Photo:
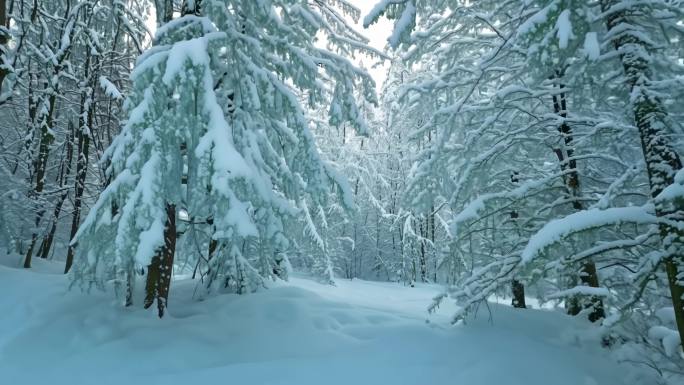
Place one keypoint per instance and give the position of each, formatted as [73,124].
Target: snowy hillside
[296,333]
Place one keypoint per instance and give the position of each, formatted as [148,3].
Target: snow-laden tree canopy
[216,130]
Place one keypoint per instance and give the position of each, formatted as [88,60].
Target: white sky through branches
[377,35]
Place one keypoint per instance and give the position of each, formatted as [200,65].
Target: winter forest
[342,192]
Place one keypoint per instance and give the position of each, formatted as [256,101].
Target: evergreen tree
[215,129]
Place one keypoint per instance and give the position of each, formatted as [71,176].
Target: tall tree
[634,30]
[216,129]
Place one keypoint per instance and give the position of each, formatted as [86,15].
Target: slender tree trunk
[432,239]
[4,39]
[565,153]
[662,161]
[81,172]
[517,287]
[46,244]
[423,258]
[160,270]
[377,243]
[46,138]
[83,135]
[65,171]
[213,245]
[130,283]
[46,124]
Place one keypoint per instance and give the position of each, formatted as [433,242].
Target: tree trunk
[79,187]
[65,171]
[46,244]
[213,245]
[565,153]
[423,258]
[164,11]
[517,287]
[130,282]
[46,124]
[83,135]
[518,294]
[160,270]
[4,39]
[662,161]
[432,239]
[40,165]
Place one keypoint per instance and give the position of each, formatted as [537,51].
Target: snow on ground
[297,333]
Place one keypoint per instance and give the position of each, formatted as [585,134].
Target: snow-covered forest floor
[297,332]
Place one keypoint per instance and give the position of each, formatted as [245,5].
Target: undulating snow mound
[296,333]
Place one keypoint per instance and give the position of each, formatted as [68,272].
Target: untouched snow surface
[298,333]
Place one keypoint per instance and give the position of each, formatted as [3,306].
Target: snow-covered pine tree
[270,123]
[216,132]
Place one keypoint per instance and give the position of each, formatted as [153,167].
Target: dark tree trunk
[423,256]
[517,287]
[518,294]
[79,188]
[432,239]
[213,245]
[40,167]
[4,39]
[83,133]
[65,171]
[662,161]
[46,244]
[160,270]
[46,125]
[565,154]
